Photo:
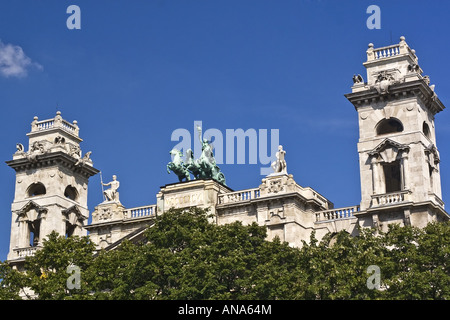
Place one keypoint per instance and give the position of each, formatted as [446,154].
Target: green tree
[45,276]
[185,256]
[420,268]
[11,282]
[336,268]
[208,261]
[277,274]
[414,263]
[188,257]
[46,271]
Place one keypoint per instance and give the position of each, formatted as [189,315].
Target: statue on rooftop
[357,79]
[207,163]
[279,166]
[112,194]
[192,165]
[177,166]
[204,167]
[86,158]
[37,148]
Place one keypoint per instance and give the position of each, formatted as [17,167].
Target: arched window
[426,130]
[387,126]
[36,189]
[71,193]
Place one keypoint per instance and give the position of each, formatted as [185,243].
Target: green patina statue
[177,166]
[204,167]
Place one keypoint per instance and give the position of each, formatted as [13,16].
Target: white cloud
[14,62]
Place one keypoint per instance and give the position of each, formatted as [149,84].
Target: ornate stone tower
[51,186]
[398,157]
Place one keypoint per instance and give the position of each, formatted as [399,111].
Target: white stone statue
[279,166]
[111,194]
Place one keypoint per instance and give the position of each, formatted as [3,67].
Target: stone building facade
[399,170]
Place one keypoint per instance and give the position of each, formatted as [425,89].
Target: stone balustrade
[386,52]
[391,198]
[334,214]
[26,252]
[57,122]
[390,51]
[138,212]
[248,194]
[242,195]
[45,124]
[70,127]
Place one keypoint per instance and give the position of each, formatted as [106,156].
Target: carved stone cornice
[58,158]
[417,88]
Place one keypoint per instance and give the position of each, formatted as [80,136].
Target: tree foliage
[188,257]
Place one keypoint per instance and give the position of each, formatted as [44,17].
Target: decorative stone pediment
[73,215]
[31,211]
[388,151]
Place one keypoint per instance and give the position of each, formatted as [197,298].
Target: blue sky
[138,70]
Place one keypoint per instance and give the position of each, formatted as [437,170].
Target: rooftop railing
[335,214]
[386,52]
[390,51]
[138,212]
[242,195]
[57,122]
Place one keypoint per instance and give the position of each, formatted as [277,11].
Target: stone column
[375,175]
[434,182]
[24,234]
[405,170]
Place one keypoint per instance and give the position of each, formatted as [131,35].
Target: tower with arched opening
[51,186]
[398,157]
